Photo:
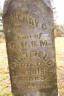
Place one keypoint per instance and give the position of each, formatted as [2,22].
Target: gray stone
[29,31]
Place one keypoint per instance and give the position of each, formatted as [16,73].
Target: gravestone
[29,32]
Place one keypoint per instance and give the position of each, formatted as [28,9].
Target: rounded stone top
[7,3]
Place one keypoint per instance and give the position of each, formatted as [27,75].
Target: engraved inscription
[31,71]
[31,64]
[24,36]
[30,54]
[14,65]
[25,18]
[36,85]
[42,43]
[50,62]
[13,45]
[34,44]
[43,26]
[38,36]
[24,44]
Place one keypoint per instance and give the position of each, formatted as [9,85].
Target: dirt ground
[5,86]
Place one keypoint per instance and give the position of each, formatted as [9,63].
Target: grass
[2,37]
[5,87]
[1,30]
[59,43]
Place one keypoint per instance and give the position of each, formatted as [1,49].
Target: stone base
[21,95]
[47,93]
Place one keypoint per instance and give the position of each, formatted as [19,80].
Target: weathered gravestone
[29,32]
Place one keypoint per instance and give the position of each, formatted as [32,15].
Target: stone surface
[29,31]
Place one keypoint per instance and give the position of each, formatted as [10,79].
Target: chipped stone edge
[6,5]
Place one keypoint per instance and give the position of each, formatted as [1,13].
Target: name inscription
[26,18]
